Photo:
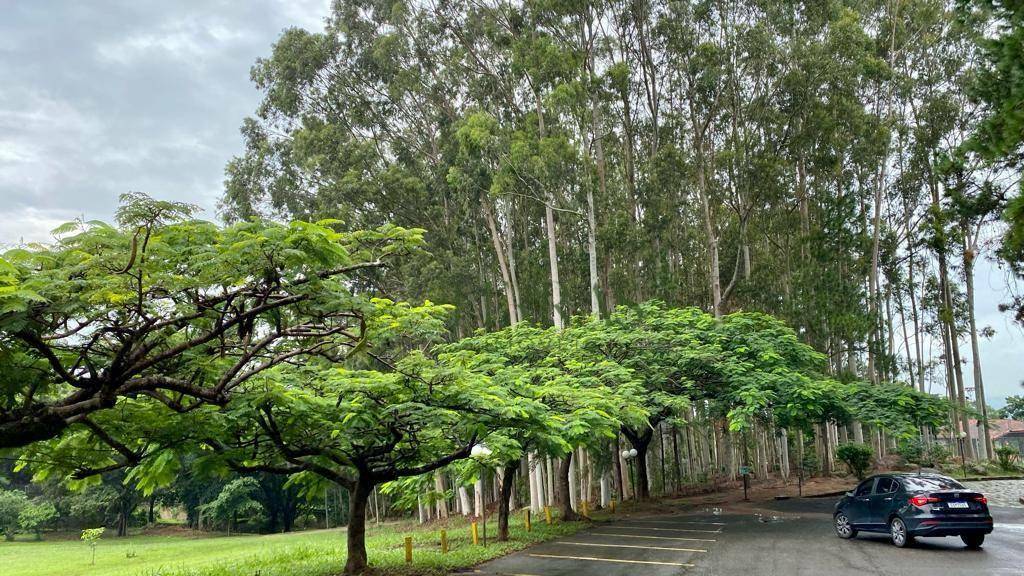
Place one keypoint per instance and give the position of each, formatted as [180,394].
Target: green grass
[311,553]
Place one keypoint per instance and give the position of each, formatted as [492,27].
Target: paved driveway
[792,537]
[654,546]
[1001,492]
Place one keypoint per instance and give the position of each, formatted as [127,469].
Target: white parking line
[596,545]
[673,522]
[591,559]
[653,537]
[671,529]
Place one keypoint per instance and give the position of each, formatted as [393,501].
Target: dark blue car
[908,505]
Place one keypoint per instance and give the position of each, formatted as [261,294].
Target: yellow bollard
[547,514]
[408,549]
[611,504]
[526,520]
[476,535]
[583,509]
[444,542]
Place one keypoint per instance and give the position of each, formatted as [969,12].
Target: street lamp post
[480,454]
[963,457]
[629,456]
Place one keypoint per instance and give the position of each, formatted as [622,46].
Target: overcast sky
[99,98]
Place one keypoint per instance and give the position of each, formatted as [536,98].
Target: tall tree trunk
[564,488]
[442,502]
[985,447]
[499,251]
[595,128]
[912,292]
[359,494]
[620,482]
[508,474]
[714,268]
[641,442]
[549,225]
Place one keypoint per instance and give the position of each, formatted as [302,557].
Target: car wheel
[844,529]
[973,541]
[898,532]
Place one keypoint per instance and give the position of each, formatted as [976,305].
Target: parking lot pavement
[655,546]
[793,537]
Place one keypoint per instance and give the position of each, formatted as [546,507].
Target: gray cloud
[100,98]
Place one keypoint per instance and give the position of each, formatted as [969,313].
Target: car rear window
[931,483]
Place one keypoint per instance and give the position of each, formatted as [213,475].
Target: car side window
[886,486]
[865,487]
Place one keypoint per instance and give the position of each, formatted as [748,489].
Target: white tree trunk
[536,484]
[464,501]
[478,498]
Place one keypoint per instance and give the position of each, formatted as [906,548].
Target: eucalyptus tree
[174,310]
[570,157]
[999,137]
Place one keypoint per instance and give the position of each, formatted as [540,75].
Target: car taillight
[981,499]
[922,500]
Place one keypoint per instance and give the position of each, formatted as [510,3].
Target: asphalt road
[791,537]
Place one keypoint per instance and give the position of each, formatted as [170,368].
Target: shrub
[235,499]
[12,502]
[938,454]
[36,515]
[856,456]
[1007,456]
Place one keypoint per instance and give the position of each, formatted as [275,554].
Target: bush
[938,454]
[915,452]
[36,515]
[1007,456]
[856,456]
[235,499]
[12,502]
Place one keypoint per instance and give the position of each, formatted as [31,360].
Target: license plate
[958,505]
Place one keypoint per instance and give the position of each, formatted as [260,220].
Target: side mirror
[849,494]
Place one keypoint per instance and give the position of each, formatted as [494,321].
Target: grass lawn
[311,553]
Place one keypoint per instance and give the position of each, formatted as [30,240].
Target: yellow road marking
[591,559]
[632,546]
[653,537]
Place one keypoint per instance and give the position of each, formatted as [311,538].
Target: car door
[858,510]
[882,500]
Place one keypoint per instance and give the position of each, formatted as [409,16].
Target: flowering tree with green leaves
[174,310]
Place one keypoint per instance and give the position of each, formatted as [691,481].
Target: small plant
[1007,456]
[91,536]
[856,456]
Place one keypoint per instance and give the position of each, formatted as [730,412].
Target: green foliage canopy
[174,310]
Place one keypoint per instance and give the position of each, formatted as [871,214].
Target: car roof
[908,475]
